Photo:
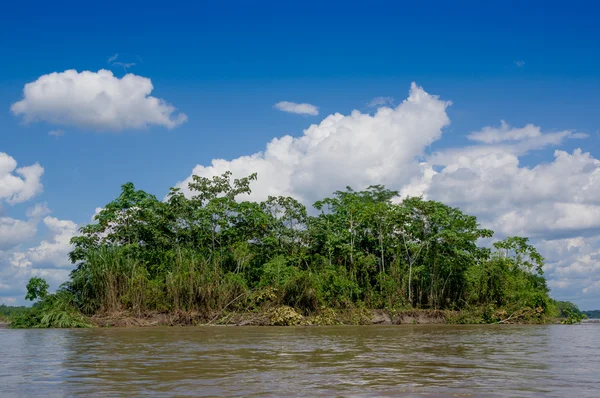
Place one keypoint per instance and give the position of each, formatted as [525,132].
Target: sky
[491,107]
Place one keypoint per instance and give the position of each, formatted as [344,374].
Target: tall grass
[112,280]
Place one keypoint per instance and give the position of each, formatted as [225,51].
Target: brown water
[556,360]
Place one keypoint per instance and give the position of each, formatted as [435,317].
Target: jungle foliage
[215,250]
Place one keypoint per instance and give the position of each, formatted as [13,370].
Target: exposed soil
[348,317]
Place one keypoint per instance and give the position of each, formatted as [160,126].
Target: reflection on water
[428,360]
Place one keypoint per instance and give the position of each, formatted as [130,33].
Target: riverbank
[287,316]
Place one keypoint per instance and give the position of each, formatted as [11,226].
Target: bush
[54,311]
[277,273]
[302,292]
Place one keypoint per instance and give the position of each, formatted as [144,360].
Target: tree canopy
[366,248]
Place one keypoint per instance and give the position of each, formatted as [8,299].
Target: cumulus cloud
[48,259]
[573,269]
[557,198]
[18,184]
[300,109]
[52,252]
[95,100]
[356,149]
[14,232]
[21,254]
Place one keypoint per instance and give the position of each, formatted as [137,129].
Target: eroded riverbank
[287,316]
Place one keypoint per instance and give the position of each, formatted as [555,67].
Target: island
[213,256]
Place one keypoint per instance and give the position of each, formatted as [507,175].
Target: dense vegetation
[569,313]
[51,311]
[8,312]
[214,252]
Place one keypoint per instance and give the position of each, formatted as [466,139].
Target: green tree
[37,288]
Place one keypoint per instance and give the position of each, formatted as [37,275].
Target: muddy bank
[277,316]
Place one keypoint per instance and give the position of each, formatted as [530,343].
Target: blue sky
[225,65]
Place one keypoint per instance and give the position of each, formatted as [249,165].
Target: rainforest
[212,256]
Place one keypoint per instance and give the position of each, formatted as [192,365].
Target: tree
[37,288]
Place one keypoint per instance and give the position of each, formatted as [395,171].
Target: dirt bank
[278,316]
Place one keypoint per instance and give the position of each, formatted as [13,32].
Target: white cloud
[519,63]
[580,136]
[113,58]
[14,232]
[19,261]
[300,109]
[15,189]
[18,184]
[380,101]
[95,100]
[56,133]
[358,149]
[493,135]
[573,269]
[97,211]
[52,252]
[561,197]
[38,211]
[48,259]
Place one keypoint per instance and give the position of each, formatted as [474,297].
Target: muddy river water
[428,360]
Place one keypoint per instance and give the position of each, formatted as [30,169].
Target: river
[428,360]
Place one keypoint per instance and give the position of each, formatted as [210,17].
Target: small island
[357,257]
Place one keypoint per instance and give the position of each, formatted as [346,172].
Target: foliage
[37,288]
[213,250]
[9,312]
[56,310]
[594,314]
[569,312]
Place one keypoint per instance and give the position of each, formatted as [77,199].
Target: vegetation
[51,311]
[569,313]
[8,312]
[594,314]
[214,253]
